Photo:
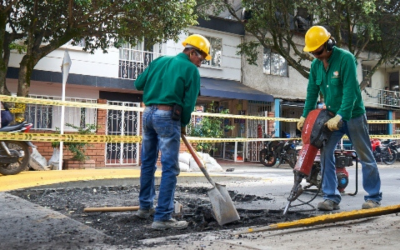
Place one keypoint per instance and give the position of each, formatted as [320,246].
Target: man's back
[171,80]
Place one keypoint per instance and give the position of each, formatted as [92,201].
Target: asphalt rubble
[26,225]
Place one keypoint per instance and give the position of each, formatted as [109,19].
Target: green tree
[209,127]
[370,25]
[9,11]
[100,23]
[46,25]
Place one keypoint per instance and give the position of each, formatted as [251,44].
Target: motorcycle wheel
[291,157]
[266,158]
[389,157]
[16,148]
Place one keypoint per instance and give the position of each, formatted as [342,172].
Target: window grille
[134,60]
[47,117]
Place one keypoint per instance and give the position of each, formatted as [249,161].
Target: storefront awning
[232,90]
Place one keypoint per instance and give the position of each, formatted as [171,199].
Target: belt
[163,107]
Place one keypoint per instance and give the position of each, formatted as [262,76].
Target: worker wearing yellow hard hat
[333,74]
[171,85]
[199,42]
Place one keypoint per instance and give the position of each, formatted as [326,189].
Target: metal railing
[133,62]
[381,97]
[239,151]
[46,117]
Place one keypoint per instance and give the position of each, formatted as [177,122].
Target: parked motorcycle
[14,155]
[384,151]
[282,151]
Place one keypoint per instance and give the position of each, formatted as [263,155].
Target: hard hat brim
[310,49]
[208,57]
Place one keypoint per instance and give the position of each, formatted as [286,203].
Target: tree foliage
[361,26]
[9,11]
[44,26]
[209,127]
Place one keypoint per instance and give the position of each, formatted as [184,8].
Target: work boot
[328,205]
[145,213]
[167,224]
[370,204]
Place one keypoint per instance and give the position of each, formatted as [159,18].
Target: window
[215,52]
[134,60]
[47,117]
[365,72]
[274,64]
[130,53]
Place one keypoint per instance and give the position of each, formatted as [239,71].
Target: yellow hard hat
[315,37]
[200,42]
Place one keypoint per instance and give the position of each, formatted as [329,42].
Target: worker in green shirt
[334,74]
[171,85]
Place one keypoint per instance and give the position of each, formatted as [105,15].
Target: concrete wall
[106,64]
[84,63]
[292,87]
[55,89]
[231,63]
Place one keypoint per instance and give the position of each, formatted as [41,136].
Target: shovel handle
[199,163]
[110,209]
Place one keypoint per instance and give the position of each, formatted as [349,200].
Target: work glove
[333,123]
[183,130]
[300,123]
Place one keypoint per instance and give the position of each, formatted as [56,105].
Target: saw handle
[196,158]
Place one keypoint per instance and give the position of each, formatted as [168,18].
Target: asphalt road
[277,183]
[29,226]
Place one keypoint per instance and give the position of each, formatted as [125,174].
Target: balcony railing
[133,62]
[381,97]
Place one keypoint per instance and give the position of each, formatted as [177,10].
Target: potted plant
[79,158]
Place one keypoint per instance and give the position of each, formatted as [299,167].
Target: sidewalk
[375,233]
[38,178]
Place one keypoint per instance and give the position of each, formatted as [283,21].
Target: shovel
[221,201]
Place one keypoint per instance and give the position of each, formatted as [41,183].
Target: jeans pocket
[163,123]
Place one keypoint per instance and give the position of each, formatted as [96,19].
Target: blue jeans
[160,133]
[357,131]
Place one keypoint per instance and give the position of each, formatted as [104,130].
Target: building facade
[272,88]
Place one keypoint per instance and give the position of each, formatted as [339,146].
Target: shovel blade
[221,202]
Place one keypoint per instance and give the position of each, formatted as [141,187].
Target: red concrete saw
[314,135]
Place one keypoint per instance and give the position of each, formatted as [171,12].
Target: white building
[269,89]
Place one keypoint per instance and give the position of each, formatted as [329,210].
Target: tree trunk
[4,55]
[24,82]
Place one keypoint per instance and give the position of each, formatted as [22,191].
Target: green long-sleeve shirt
[338,84]
[171,80]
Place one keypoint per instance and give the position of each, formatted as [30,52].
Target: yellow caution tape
[383,121]
[15,110]
[217,140]
[43,137]
[248,117]
[392,137]
[29,100]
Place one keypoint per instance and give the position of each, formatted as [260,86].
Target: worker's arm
[140,82]
[350,86]
[192,90]
[313,90]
